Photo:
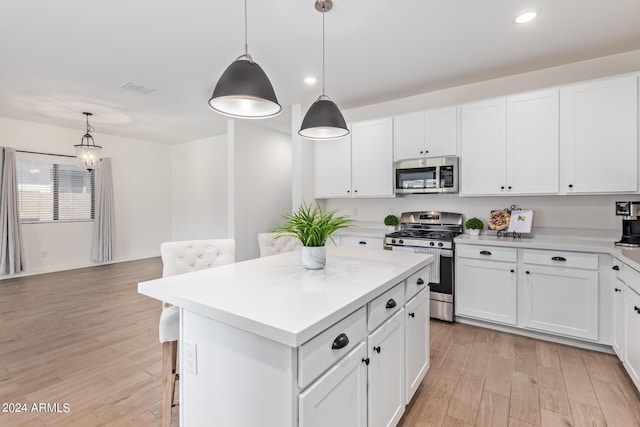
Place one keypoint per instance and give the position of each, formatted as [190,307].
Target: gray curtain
[11,253]
[102,244]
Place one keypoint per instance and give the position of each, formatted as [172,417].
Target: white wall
[580,212]
[199,189]
[141,177]
[261,188]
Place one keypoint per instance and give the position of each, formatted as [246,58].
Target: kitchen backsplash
[551,212]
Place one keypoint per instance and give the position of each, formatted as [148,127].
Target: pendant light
[88,153]
[244,90]
[323,119]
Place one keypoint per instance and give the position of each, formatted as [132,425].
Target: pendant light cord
[323,10]
[246,38]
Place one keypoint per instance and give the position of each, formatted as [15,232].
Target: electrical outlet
[190,358]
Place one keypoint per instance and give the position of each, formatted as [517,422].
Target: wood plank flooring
[88,339]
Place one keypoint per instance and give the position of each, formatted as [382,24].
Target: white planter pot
[473,232]
[314,257]
[391,228]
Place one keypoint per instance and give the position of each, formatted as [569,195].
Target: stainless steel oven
[432,232]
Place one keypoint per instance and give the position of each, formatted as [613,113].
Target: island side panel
[240,379]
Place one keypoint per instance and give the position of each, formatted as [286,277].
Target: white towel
[434,274]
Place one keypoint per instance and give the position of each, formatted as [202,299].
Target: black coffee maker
[629,211]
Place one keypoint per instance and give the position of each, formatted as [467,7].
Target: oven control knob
[440,244]
[393,240]
[431,244]
[401,241]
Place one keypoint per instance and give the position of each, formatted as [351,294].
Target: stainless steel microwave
[428,175]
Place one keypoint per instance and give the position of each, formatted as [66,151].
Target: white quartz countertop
[630,256]
[276,298]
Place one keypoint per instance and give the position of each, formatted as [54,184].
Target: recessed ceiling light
[310,80]
[526,16]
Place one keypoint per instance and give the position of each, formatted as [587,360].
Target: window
[52,188]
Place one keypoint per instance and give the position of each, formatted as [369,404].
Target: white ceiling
[60,58]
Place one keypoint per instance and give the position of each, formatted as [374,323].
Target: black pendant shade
[323,121]
[244,91]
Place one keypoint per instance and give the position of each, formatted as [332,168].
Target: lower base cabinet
[386,373]
[339,397]
[417,358]
[617,344]
[631,331]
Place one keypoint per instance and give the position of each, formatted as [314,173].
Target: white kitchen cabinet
[416,342]
[631,330]
[486,288]
[599,136]
[359,165]
[386,372]
[483,134]
[431,133]
[510,145]
[339,397]
[371,158]
[362,242]
[619,289]
[532,143]
[332,172]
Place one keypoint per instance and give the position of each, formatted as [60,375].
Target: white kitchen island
[267,343]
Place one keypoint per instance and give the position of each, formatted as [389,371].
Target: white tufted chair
[269,244]
[179,258]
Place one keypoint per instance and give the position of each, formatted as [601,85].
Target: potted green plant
[474,225]
[391,221]
[313,227]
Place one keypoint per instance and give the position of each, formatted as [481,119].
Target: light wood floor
[87,338]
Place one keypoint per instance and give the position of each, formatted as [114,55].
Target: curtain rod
[46,154]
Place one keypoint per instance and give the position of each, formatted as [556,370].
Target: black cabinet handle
[341,341]
[616,268]
[635,307]
[570,185]
[362,242]
[502,187]
[421,152]
[485,253]
[617,289]
[527,272]
[412,315]
[348,191]
[391,303]
[509,187]
[558,258]
[512,270]
[355,191]
[377,349]
[366,361]
[419,281]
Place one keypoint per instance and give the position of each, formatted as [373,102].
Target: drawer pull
[635,307]
[617,289]
[527,272]
[391,303]
[512,270]
[419,281]
[341,341]
[485,253]
[558,258]
[412,315]
[616,268]
[362,242]
[377,349]
[365,360]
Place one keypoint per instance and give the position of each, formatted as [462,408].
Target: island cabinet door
[416,342]
[619,289]
[631,318]
[386,372]
[339,397]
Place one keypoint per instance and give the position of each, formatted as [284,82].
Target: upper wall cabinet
[359,165]
[510,145]
[599,136]
[431,133]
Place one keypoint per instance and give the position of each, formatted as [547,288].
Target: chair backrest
[192,255]
[269,244]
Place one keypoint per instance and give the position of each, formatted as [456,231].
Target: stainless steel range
[431,232]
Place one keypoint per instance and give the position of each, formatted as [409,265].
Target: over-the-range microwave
[426,175]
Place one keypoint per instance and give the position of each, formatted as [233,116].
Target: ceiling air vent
[137,87]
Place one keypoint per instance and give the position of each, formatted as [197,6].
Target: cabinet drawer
[381,308]
[561,258]
[317,355]
[417,282]
[494,253]
[630,276]
[361,242]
